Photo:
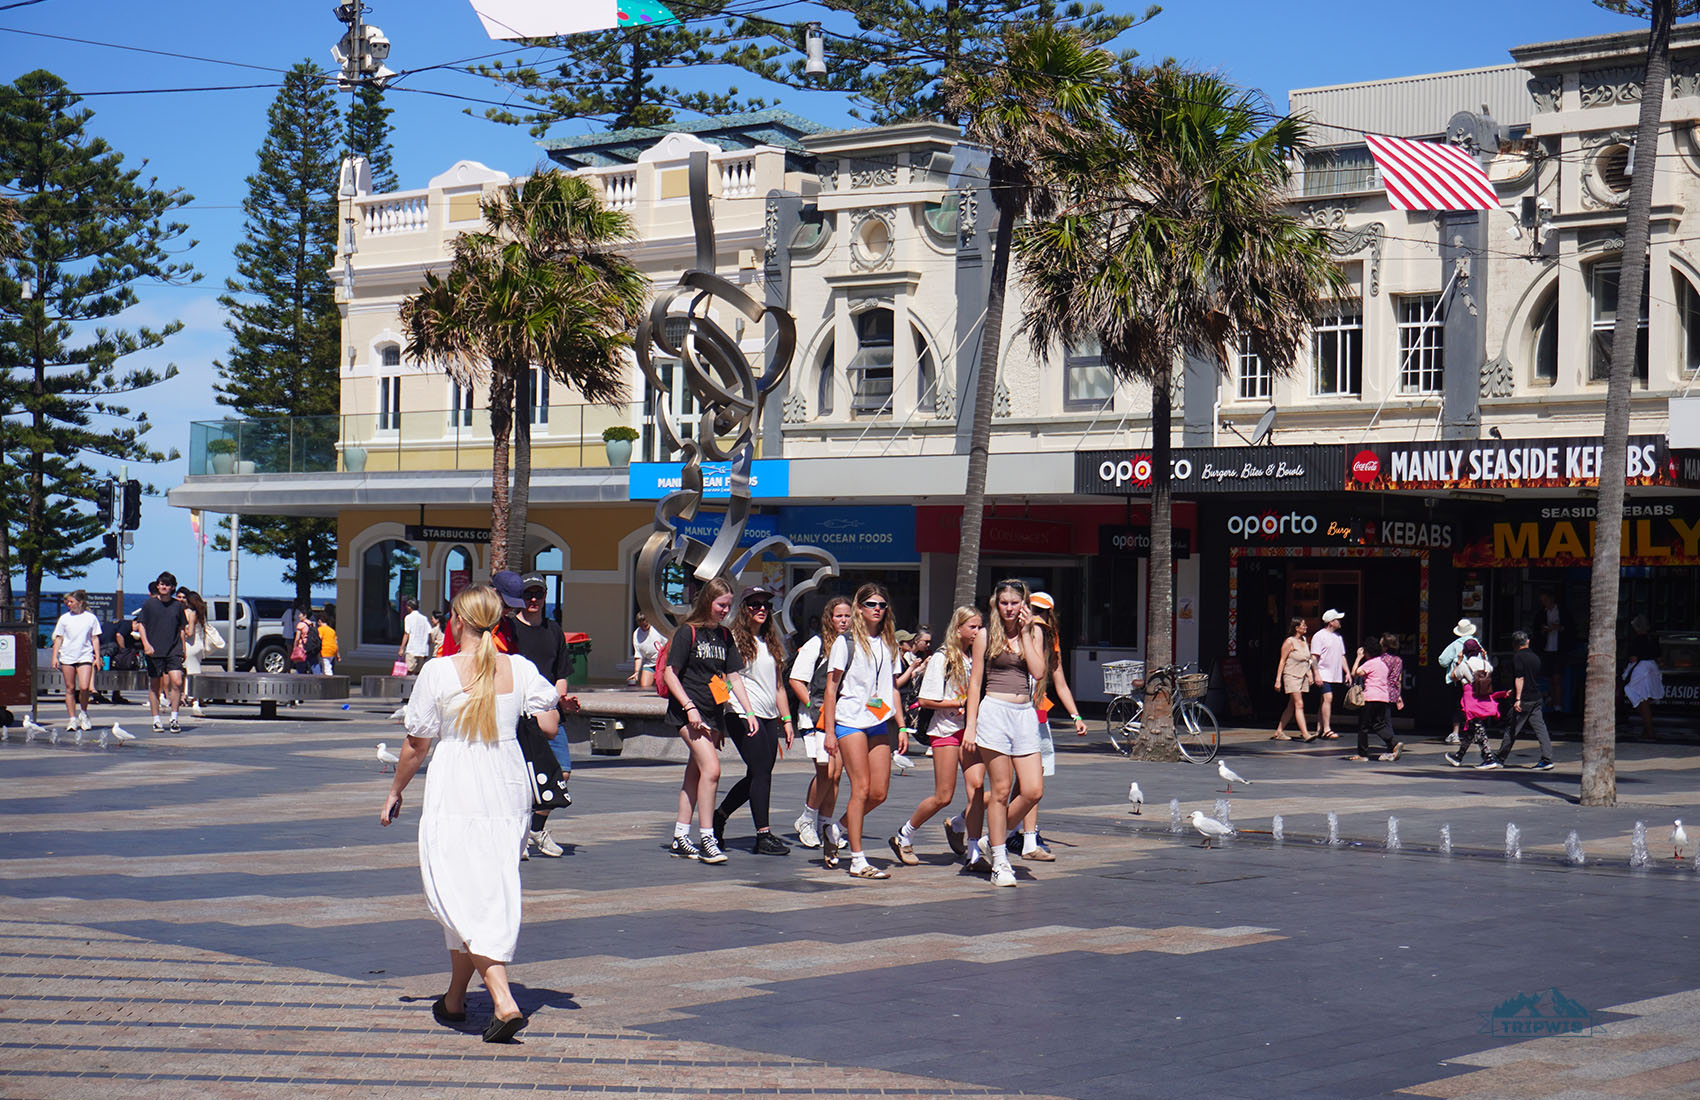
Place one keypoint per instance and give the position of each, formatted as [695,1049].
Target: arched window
[457,574]
[1688,301]
[389,389]
[552,564]
[871,369]
[1546,341]
[1602,292]
[389,571]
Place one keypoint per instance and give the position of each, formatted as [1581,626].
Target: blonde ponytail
[481,609]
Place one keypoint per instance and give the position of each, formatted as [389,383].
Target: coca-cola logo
[1366,465]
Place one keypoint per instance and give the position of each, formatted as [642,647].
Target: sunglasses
[874,605]
[759,606]
[533,595]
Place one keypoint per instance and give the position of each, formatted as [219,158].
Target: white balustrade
[738,177]
[386,215]
[621,189]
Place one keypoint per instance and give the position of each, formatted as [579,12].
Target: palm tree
[1172,238]
[1042,98]
[541,286]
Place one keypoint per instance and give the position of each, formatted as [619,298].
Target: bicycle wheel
[1120,722]
[1197,732]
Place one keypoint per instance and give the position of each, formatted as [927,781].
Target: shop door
[1310,592]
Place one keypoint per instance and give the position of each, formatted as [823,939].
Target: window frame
[389,404]
[1344,318]
[1260,376]
[1083,361]
[1422,345]
[1600,331]
[461,404]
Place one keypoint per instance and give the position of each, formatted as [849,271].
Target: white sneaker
[158,726]
[83,721]
[195,709]
[546,845]
[806,835]
[1452,739]
[1003,875]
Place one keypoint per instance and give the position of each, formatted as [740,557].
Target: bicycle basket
[1122,677]
[1193,685]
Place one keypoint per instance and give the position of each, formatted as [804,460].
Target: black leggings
[1376,718]
[759,751]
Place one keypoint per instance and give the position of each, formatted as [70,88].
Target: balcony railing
[562,437]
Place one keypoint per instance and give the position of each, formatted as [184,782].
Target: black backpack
[312,644]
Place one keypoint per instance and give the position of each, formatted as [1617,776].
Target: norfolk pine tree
[369,136]
[89,229]
[283,320]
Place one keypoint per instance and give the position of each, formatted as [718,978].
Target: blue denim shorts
[558,745]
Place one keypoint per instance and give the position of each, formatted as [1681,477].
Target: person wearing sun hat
[1448,659]
[1329,650]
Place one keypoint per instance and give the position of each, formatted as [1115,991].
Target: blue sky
[205,141]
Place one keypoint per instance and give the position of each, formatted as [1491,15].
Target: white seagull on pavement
[120,734]
[1210,827]
[1678,839]
[31,728]
[1136,796]
[387,760]
[1230,777]
[901,763]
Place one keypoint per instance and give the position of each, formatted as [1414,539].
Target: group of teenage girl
[987,687]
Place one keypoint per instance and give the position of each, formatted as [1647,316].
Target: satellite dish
[1265,427]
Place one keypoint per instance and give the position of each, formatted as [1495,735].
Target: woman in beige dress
[1293,677]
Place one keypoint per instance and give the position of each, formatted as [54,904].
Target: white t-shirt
[761,682]
[803,664]
[81,634]
[1330,653]
[867,676]
[418,629]
[646,643]
[934,688]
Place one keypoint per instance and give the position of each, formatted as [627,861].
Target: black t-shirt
[164,621]
[699,654]
[542,645]
[1527,664]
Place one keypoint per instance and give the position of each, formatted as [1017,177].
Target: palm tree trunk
[1599,718]
[501,424]
[304,567]
[985,392]
[519,503]
[1156,734]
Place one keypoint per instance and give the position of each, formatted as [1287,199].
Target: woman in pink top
[1382,676]
[1481,702]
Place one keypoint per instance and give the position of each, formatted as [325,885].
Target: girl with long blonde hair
[944,691]
[477,802]
[703,675]
[858,715]
[808,685]
[1001,721]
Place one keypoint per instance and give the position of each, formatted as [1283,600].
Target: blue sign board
[876,533]
[769,477]
[706,528]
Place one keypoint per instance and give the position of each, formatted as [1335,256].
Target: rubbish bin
[17,663]
[578,648]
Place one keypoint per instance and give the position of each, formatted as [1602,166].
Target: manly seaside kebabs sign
[1500,464]
[1195,470]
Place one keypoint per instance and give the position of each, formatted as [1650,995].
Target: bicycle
[1197,732]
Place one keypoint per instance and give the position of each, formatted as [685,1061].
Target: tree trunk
[1157,731]
[520,502]
[985,392]
[304,568]
[1599,716]
[6,593]
[501,423]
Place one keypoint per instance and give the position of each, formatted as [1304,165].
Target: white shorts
[1009,728]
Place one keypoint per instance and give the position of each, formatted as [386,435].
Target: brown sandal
[1279,737]
[1356,759]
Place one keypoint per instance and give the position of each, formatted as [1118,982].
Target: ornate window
[1546,343]
[1337,351]
[1422,344]
[1602,289]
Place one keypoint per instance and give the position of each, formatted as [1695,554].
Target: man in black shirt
[1526,702]
[526,632]
[161,622]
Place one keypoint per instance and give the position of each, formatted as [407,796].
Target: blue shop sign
[769,477]
[706,528]
[877,533]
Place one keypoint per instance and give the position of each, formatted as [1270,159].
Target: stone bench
[48,681]
[398,688]
[626,721]
[266,688]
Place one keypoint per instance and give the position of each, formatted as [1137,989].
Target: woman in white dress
[477,801]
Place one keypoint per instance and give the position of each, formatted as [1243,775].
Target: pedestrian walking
[756,634]
[858,714]
[646,643]
[1526,701]
[808,687]
[304,653]
[1294,673]
[439,626]
[477,798]
[1001,721]
[1033,846]
[202,635]
[328,651]
[76,653]
[1480,704]
[415,646]
[1643,684]
[915,716]
[1329,650]
[1384,675]
[702,675]
[1448,659]
[944,695]
[161,623]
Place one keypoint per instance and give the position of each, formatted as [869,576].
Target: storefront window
[389,571]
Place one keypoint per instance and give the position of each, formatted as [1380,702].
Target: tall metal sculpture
[730,396]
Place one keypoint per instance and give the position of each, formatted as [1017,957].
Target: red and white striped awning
[1430,175]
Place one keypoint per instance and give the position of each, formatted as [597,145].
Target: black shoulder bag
[543,771]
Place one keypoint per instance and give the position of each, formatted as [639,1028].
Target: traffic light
[109,545]
[132,505]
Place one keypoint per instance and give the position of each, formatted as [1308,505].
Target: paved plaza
[218,914]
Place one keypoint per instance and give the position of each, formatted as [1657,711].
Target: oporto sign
[1194,470]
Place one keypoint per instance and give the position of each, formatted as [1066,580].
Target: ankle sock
[1028,839]
[907,833]
[681,828]
[857,859]
[972,852]
[1000,855]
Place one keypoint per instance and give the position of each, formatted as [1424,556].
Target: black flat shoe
[440,1010]
[503,1031]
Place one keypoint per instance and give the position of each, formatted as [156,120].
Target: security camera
[1544,205]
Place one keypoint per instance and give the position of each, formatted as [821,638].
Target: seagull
[31,728]
[399,714]
[1230,777]
[1678,839]
[901,763]
[1136,796]
[120,734]
[1210,827]
[387,760]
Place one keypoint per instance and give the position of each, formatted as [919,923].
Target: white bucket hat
[1464,629]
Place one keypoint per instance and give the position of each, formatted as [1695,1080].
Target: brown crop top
[1006,674]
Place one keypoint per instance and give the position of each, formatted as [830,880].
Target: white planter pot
[619,451]
[222,463]
[243,466]
[354,459]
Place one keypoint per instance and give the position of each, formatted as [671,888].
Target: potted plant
[221,454]
[618,440]
[353,458]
